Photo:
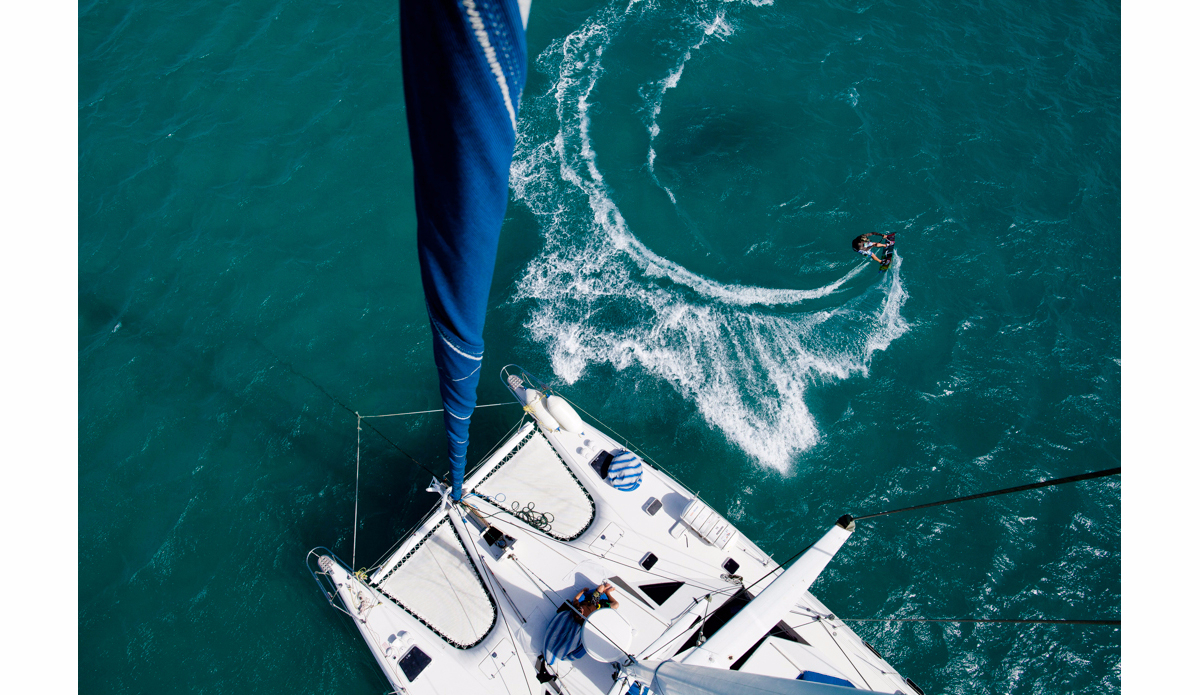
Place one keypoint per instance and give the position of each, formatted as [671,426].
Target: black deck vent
[718,617]
[413,663]
[659,593]
[600,463]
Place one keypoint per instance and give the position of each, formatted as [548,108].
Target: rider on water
[863,245]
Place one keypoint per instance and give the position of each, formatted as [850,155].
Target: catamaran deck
[461,608]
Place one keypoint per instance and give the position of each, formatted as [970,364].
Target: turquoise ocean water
[676,258]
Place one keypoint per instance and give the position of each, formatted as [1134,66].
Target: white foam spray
[655,92]
[599,296]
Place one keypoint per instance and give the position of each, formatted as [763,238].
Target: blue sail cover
[464,69]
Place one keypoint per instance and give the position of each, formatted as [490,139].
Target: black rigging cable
[1005,491]
[1116,623]
[348,409]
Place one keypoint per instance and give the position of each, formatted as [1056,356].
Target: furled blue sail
[464,69]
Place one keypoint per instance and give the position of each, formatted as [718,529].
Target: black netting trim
[508,457]
[415,548]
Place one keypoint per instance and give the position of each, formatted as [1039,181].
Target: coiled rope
[539,520]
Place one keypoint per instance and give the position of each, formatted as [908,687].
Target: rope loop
[540,520]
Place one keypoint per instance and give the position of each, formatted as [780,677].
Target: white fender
[565,414]
[536,405]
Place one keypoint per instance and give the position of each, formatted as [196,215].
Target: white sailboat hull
[463,603]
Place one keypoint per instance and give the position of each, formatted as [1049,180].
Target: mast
[464,70]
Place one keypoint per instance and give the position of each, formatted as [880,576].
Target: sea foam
[599,295]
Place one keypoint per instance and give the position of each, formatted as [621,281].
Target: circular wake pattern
[745,355]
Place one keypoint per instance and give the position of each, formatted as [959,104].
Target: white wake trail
[598,295]
[719,28]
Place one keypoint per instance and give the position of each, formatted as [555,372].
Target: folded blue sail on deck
[464,69]
[564,639]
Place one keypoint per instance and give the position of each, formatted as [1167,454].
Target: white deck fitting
[438,584]
[535,474]
[707,524]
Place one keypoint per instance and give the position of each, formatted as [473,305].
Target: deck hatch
[413,663]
